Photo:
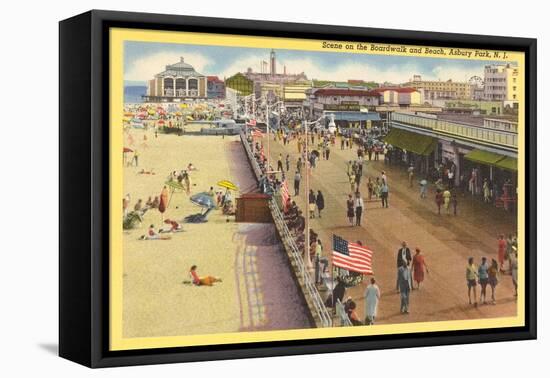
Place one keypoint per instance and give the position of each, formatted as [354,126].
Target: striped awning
[411,142]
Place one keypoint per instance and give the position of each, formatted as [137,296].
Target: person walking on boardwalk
[514,269]
[438,200]
[423,188]
[403,255]
[280,163]
[352,185]
[384,194]
[471,280]
[297,178]
[372,297]
[320,201]
[501,250]
[454,202]
[483,274]
[410,171]
[351,209]
[418,267]
[486,191]
[349,168]
[447,201]
[370,187]
[287,162]
[494,276]
[311,204]
[403,283]
[358,208]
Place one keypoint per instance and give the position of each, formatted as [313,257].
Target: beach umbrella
[125,150]
[163,203]
[203,199]
[174,185]
[189,118]
[423,182]
[228,185]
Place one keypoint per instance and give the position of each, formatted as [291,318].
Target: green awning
[484,157]
[412,142]
[494,159]
[508,163]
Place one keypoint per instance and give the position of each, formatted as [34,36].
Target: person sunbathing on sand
[173,226]
[202,281]
[153,235]
[144,172]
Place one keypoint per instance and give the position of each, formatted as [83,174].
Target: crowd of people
[490,273]
[411,268]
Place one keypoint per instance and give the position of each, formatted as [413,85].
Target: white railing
[341,311]
[290,245]
[485,134]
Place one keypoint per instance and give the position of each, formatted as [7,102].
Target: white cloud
[355,70]
[146,68]
[455,73]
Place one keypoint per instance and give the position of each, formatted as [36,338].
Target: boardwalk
[446,241]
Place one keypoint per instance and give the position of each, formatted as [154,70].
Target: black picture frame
[84,189]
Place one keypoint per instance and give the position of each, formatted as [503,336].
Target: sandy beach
[257,291]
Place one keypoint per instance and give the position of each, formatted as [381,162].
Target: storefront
[500,172]
[412,149]
[354,119]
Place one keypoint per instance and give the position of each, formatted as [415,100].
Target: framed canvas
[236,188]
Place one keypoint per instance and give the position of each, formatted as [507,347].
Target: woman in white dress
[372,296]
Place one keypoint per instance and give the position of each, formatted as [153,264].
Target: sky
[142,60]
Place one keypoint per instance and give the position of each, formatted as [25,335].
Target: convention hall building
[179,81]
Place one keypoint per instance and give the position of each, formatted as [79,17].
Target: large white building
[178,81]
[501,84]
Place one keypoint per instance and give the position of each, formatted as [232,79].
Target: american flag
[351,256]
[252,122]
[285,195]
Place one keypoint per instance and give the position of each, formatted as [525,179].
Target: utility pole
[306,188]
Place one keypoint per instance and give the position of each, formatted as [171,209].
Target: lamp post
[306,188]
[267,122]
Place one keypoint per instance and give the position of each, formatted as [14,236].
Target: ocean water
[133,93]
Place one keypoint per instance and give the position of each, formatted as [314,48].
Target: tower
[272,62]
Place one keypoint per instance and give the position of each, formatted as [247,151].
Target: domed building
[178,82]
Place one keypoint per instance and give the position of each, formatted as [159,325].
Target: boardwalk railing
[341,311]
[315,302]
